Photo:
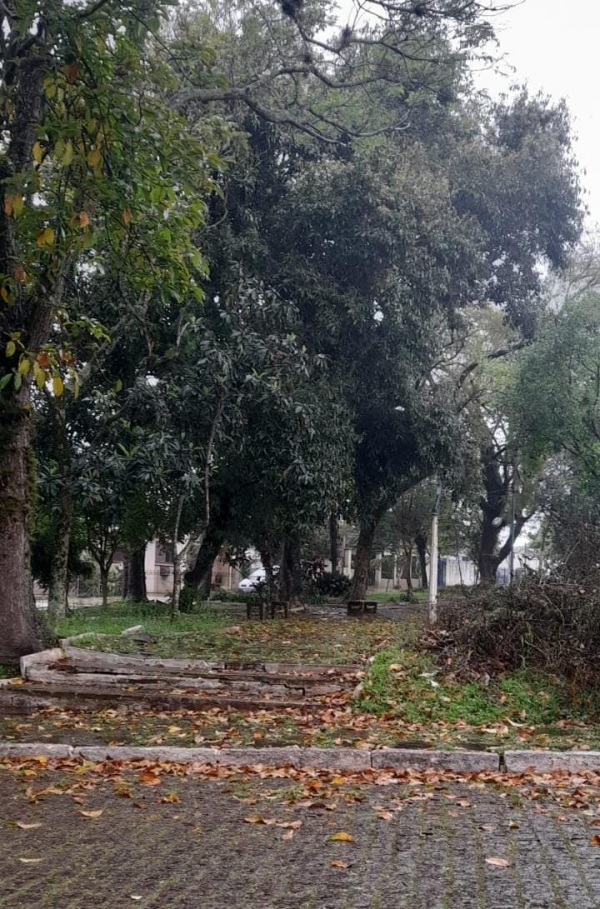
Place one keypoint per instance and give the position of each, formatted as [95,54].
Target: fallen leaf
[498,862]
[288,835]
[148,778]
[23,826]
[254,819]
[172,798]
[30,861]
[514,825]
[92,814]
[290,825]
[341,837]
[595,840]
[338,863]
[135,896]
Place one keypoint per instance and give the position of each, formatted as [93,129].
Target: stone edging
[350,759]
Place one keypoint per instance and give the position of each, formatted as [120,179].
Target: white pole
[433,561]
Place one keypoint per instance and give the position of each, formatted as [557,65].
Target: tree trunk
[408,570]
[334,540]
[104,572]
[266,557]
[290,589]
[135,577]
[364,549]
[199,577]
[58,590]
[20,630]
[421,544]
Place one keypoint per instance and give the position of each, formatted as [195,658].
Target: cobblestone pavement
[191,843]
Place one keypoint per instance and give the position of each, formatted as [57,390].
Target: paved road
[184,844]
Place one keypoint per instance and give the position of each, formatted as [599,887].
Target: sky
[554,46]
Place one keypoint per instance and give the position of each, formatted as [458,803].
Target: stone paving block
[159,753]
[335,758]
[423,758]
[246,757]
[34,749]
[548,761]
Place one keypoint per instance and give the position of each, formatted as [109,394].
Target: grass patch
[9,672]
[407,685]
[221,633]
[115,617]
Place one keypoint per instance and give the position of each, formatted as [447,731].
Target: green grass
[9,672]
[396,596]
[115,617]
[406,684]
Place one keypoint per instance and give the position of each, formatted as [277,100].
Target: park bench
[362,607]
[275,606]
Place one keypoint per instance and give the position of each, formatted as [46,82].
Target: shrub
[332,584]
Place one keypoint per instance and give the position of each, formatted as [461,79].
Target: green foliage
[406,684]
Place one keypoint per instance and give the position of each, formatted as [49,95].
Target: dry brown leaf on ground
[338,863]
[92,814]
[30,861]
[148,778]
[595,840]
[498,862]
[23,826]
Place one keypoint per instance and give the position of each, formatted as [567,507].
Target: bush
[332,584]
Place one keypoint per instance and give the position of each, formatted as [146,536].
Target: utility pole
[511,562]
[433,562]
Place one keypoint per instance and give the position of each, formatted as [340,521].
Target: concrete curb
[350,759]
[551,761]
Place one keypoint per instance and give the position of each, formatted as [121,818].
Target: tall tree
[91,167]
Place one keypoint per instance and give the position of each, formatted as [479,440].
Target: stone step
[33,694]
[178,684]
[255,673]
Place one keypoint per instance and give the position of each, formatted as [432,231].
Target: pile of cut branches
[539,623]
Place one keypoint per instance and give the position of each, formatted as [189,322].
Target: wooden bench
[362,607]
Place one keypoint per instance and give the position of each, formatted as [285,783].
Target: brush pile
[539,623]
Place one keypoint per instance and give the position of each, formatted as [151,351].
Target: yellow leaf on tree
[39,375]
[45,237]
[38,153]
[342,837]
[24,366]
[94,157]
[4,294]
[10,349]
[57,386]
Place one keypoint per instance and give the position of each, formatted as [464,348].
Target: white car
[255,580]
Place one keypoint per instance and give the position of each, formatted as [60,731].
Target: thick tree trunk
[199,577]
[20,631]
[421,544]
[290,587]
[58,590]
[135,576]
[364,549]
[334,542]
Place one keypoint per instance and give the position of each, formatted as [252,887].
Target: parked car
[255,580]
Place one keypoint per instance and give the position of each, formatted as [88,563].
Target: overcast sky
[554,45]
